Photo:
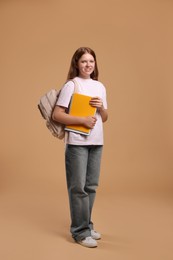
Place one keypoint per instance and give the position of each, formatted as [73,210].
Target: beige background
[133,41]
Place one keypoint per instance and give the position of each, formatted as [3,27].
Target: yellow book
[80,106]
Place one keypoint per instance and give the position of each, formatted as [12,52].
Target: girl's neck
[85,78]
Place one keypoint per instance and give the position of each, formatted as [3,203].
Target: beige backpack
[46,105]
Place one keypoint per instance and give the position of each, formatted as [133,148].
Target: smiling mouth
[88,69]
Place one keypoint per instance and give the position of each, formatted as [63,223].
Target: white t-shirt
[91,88]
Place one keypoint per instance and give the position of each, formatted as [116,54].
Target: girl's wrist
[100,109]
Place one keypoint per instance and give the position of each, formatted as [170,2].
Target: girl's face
[86,65]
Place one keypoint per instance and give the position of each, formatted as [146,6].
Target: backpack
[46,105]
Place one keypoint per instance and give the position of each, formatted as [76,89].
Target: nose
[88,63]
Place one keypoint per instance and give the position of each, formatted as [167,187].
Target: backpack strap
[76,85]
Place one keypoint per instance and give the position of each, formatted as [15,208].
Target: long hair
[74,71]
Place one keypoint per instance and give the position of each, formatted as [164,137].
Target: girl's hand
[89,121]
[96,102]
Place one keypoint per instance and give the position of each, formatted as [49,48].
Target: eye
[85,61]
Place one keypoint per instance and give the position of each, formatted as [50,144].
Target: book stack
[80,106]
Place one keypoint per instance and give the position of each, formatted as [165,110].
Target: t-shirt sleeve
[104,98]
[65,94]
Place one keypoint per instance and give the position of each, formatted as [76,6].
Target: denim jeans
[82,174]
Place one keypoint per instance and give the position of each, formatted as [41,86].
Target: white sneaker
[95,234]
[88,242]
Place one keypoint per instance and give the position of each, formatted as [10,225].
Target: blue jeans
[82,174]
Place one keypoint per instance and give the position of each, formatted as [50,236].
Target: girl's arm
[98,103]
[104,114]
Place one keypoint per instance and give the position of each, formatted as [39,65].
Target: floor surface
[34,225]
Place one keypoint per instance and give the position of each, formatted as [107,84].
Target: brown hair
[73,71]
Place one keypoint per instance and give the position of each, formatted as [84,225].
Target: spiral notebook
[80,106]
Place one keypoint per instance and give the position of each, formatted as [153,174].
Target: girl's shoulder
[99,84]
[69,82]
[68,85]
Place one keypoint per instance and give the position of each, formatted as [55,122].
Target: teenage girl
[83,153]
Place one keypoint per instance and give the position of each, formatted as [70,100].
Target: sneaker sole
[96,238]
[88,246]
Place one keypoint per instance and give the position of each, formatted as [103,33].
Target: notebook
[80,106]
